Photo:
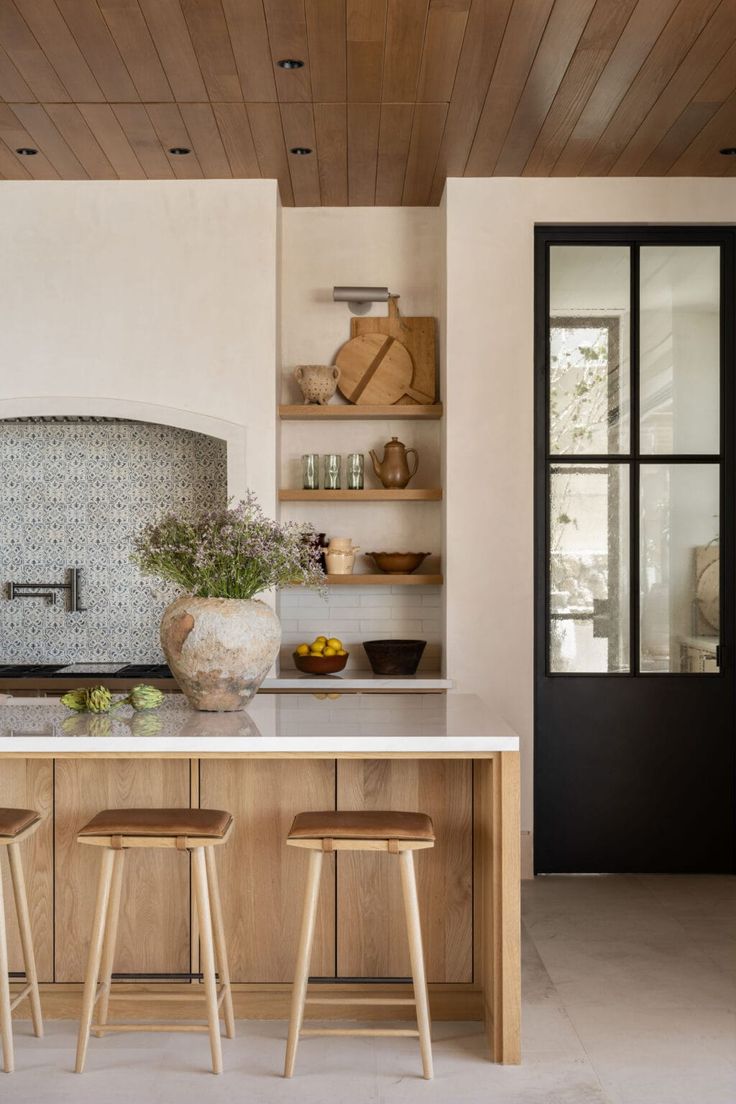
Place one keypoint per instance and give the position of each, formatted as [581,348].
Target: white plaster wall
[489,402]
[125,296]
[397,247]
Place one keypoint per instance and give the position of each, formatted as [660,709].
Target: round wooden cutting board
[376,369]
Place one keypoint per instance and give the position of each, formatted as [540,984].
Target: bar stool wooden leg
[6,1031]
[207,953]
[301,974]
[218,931]
[416,954]
[111,936]
[26,937]
[95,954]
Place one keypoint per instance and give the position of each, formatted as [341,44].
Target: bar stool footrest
[21,996]
[384,1032]
[98,1030]
[187,995]
[377,1001]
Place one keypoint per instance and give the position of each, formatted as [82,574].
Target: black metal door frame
[634,237]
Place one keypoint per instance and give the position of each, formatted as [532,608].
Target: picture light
[359,299]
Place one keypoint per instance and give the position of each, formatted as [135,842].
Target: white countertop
[356,680]
[289,724]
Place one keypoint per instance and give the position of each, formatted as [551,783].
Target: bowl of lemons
[324,656]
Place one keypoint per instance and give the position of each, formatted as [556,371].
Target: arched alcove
[79,480]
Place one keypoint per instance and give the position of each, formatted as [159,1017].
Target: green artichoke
[99,700]
[76,700]
[145,697]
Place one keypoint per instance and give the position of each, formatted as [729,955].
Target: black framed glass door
[634,752]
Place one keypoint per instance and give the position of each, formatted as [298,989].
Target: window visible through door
[633,467]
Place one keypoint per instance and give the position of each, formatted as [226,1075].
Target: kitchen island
[447,755]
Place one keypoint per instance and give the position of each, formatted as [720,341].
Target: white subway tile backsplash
[369,630]
[310,629]
[395,601]
[432,598]
[379,613]
[344,613]
[359,613]
[304,598]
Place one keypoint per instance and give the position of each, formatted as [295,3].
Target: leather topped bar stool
[17,825]
[398,834]
[196,831]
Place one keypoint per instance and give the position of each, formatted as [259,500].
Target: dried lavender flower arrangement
[235,552]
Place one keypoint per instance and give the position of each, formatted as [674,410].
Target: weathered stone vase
[219,649]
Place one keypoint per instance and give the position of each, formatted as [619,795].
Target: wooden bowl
[397,563]
[319,665]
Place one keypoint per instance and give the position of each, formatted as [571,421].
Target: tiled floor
[629,998]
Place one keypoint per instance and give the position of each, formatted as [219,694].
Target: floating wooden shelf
[430,494]
[308,413]
[384,580]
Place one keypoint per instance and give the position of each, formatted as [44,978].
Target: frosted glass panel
[679,348]
[679,567]
[589,568]
[588,349]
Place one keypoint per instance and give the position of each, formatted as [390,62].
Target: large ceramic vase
[219,649]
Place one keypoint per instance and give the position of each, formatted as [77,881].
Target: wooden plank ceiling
[393,95]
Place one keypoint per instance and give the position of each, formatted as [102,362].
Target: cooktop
[104,670]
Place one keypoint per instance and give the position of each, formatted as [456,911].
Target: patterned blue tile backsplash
[73,494]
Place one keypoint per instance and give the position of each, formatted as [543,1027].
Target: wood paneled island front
[448,756]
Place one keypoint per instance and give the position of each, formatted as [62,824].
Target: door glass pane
[680,348]
[589,568]
[679,567]
[588,349]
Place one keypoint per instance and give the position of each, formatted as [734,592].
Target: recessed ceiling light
[26,151]
[728,151]
[179,151]
[300,151]
[290,63]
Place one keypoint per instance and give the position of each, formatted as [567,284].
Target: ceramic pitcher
[340,556]
[394,471]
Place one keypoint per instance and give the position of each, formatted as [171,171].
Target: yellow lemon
[329,651]
[319,646]
[322,638]
[303,649]
[333,642]
[341,651]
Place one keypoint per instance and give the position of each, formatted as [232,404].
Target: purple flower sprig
[235,552]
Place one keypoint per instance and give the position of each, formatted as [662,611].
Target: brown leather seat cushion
[210,823]
[363,824]
[15,821]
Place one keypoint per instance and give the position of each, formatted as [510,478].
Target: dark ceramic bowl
[319,665]
[394,657]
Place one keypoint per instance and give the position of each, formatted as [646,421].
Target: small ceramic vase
[340,556]
[317,381]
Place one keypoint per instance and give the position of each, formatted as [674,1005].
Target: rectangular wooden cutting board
[419,335]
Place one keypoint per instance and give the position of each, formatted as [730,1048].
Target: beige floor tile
[661,1055]
[629,997]
[628,972]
